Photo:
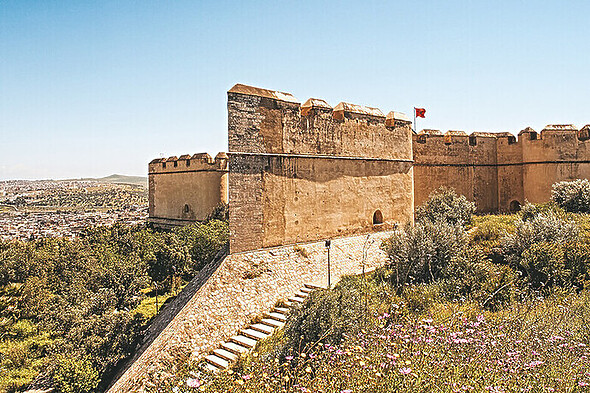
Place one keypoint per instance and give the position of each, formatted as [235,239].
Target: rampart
[499,171]
[300,173]
[187,188]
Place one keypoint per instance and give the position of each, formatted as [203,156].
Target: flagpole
[415,121]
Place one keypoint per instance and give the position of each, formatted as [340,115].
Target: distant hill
[120,179]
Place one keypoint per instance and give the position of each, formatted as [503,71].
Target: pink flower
[193,383]
[534,363]
[405,370]
[247,377]
[289,357]
[582,383]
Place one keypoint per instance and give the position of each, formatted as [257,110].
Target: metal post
[328,242]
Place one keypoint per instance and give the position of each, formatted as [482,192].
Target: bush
[472,275]
[572,196]
[203,241]
[327,316]
[75,376]
[537,227]
[549,264]
[418,254]
[444,205]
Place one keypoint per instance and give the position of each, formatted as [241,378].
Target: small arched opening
[186,209]
[377,217]
[514,206]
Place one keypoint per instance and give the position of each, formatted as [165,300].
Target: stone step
[217,361]
[302,294]
[234,348]
[306,290]
[273,323]
[281,310]
[276,316]
[211,368]
[262,328]
[297,299]
[314,286]
[243,341]
[288,303]
[254,334]
[224,354]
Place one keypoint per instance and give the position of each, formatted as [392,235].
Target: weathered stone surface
[303,173]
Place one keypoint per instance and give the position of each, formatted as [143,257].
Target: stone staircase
[229,351]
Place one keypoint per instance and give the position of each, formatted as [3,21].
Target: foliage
[220,213]
[537,227]
[420,253]
[203,241]
[538,345]
[572,196]
[327,316]
[503,307]
[550,264]
[75,376]
[445,206]
[471,275]
[76,298]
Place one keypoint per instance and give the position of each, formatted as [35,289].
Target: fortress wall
[303,173]
[456,160]
[556,155]
[315,198]
[186,189]
[510,173]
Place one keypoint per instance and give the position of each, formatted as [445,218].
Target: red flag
[420,112]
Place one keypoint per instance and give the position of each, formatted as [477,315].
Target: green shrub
[419,298]
[203,241]
[472,275]
[572,196]
[549,264]
[327,316]
[220,213]
[75,376]
[444,205]
[537,227]
[418,254]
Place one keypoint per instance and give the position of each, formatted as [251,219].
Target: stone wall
[227,295]
[309,172]
[186,189]
[496,170]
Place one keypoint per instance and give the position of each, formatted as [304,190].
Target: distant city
[49,208]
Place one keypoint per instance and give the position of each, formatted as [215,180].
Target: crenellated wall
[301,173]
[496,170]
[186,189]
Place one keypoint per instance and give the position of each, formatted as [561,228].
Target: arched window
[514,206]
[186,209]
[377,217]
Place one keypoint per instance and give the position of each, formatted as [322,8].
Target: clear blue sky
[91,88]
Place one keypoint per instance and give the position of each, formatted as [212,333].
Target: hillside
[466,303]
[119,179]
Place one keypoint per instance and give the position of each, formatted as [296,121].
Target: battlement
[551,131]
[273,122]
[186,162]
